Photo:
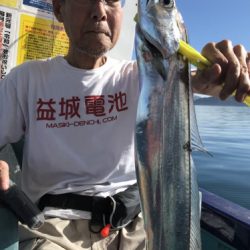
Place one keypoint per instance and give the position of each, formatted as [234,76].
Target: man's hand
[248,62]
[4,175]
[228,73]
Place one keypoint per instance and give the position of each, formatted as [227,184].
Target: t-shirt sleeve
[12,125]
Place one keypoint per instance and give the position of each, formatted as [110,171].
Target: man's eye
[112,2]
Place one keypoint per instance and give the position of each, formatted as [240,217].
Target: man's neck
[84,61]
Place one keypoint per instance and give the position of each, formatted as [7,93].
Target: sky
[206,21]
[215,20]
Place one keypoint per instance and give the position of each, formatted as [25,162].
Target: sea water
[225,132]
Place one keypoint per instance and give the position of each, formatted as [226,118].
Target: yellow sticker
[40,38]
[9,3]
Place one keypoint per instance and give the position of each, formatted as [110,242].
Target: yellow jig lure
[198,60]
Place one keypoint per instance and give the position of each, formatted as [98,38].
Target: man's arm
[229,72]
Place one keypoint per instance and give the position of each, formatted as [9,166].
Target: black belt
[99,207]
[72,201]
[117,210]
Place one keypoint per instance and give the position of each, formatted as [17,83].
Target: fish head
[158,21]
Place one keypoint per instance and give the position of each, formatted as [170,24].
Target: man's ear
[57,9]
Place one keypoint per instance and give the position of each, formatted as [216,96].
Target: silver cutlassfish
[166,176]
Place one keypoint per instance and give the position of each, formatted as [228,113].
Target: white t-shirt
[78,125]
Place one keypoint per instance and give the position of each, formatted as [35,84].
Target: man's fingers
[209,79]
[212,73]
[229,72]
[220,54]
[233,68]
[244,81]
[248,62]
[4,175]
[214,55]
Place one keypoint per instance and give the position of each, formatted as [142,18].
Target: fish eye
[168,3]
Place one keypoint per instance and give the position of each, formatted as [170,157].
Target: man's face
[93,26]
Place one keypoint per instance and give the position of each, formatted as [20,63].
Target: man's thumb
[4,175]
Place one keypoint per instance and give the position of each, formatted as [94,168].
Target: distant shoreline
[213,101]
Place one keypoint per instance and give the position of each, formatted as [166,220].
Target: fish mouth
[157,47]
[155,18]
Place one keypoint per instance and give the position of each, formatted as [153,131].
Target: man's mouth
[100,31]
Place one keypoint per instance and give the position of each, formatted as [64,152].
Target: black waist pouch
[117,210]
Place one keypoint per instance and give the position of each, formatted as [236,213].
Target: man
[77,114]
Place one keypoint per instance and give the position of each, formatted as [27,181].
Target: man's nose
[99,10]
